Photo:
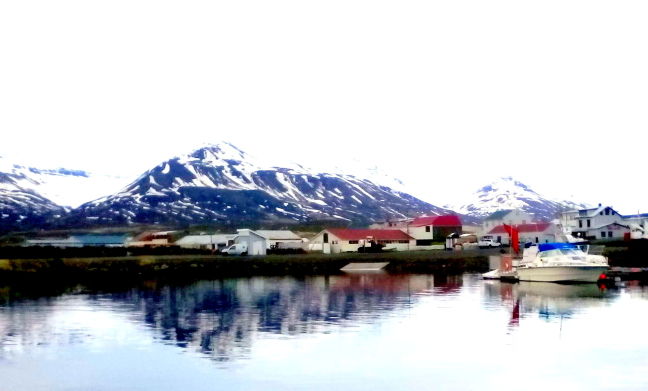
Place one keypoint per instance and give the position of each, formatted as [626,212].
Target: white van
[235,249]
[488,242]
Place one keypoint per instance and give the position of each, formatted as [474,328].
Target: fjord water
[344,332]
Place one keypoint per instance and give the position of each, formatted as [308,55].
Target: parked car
[488,242]
[235,249]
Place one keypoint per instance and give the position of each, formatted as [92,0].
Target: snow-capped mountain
[62,186]
[508,193]
[221,183]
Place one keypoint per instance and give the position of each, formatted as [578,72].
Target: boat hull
[561,273]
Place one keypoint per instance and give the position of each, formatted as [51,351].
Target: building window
[424,242]
[607,211]
[580,223]
[325,238]
[536,239]
[589,223]
[353,242]
[603,234]
[609,234]
[427,228]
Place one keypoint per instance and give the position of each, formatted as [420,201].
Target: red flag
[515,237]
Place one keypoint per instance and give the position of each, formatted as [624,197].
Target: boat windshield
[558,252]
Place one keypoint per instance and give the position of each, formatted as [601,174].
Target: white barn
[256,244]
[281,239]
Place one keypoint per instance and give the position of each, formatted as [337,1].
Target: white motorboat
[560,262]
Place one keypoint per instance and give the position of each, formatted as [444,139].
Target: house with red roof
[425,229]
[428,229]
[542,232]
[340,240]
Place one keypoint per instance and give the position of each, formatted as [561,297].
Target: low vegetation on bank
[208,265]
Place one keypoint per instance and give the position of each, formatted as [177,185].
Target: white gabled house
[508,216]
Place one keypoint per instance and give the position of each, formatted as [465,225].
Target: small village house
[426,230]
[429,229]
[339,240]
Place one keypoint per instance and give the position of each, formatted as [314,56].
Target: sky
[444,95]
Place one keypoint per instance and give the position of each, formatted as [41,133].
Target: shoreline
[450,262]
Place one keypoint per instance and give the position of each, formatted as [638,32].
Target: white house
[509,217]
[602,222]
[206,242]
[339,240]
[281,239]
[256,244]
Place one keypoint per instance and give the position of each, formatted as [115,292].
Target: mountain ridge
[221,183]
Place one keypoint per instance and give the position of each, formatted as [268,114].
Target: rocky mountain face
[222,184]
[22,208]
[508,193]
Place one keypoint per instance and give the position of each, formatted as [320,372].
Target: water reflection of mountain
[222,318]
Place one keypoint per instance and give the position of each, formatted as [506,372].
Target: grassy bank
[201,265]
[627,254]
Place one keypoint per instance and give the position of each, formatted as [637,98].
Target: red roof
[534,227]
[376,234]
[437,221]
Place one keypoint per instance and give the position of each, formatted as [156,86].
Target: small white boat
[560,262]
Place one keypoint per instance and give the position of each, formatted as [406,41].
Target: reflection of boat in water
[555,300]
[560,262]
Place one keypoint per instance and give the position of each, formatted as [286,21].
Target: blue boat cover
[556,246]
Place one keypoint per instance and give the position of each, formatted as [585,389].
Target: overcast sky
[446,95]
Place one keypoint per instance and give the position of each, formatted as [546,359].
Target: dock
[363,267]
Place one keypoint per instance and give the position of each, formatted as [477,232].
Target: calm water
[362,332]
